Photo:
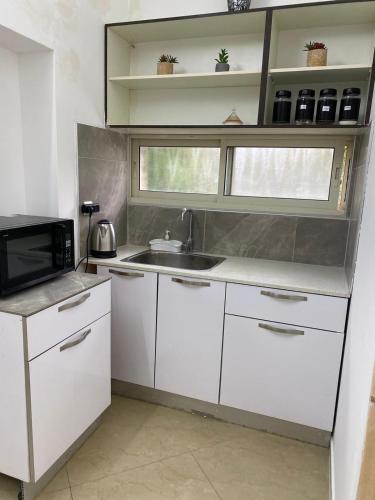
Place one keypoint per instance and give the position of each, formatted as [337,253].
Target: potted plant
[165,64]
[222,61]
[316,54]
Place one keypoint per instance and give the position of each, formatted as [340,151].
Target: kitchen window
[279,174]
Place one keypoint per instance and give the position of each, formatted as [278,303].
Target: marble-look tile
[178,478]
[250,235]
[9,488]
[148,222]
[59,482]
[103,181]
[266,467]
[95,142]
[321,241]
[55,495]
[351,250]
[135,434]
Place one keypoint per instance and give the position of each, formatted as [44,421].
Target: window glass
[271,172]
[173,169]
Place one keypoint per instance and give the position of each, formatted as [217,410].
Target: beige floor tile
[178,478]
[56,495]
[59,482]
[266,467]
[9,488]
[159,433]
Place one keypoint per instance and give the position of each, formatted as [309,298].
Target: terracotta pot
[165,68]
[317,57]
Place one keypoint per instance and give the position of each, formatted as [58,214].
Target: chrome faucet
[188,245]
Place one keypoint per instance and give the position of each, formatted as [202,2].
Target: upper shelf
[321,74]
[190,80]
[192,27]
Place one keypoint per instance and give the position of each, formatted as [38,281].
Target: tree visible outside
[179,169]
[295,173]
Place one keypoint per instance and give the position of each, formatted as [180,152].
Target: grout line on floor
[205,475]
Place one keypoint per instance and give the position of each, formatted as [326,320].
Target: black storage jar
[305,107]
[349,107]
[282,107]
[326,108]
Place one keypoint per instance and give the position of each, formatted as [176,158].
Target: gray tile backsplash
[102,172]
[250,235]
[321,241]
[275,237]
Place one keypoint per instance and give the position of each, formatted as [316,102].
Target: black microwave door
[30,254]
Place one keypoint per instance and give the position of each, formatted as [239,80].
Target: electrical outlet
[90,207]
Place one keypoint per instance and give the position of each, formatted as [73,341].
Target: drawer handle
[127,274]
[274,329]
[73,343]
[191,283]
[76,303]
[293,298]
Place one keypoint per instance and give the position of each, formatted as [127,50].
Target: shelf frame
[265,72]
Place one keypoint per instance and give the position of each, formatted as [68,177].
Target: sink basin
[191,261]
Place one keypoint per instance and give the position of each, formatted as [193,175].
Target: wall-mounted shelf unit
[266,54]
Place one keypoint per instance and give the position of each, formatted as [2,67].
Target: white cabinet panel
[189,337]
[70,388]
[134,297]
[14,452]
[51,326]
[283,306]
[288,376]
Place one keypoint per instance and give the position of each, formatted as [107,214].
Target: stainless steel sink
[193,261]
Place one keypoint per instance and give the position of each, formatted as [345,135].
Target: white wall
[349,436]
[12,183]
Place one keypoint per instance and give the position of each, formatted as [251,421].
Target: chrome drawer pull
[76,303]
[274,329]
[191,283]
[293,298]
[128,274]
[73,343]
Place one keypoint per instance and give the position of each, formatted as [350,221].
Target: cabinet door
[189,337]
[134,296]
[70,386]
[281,371]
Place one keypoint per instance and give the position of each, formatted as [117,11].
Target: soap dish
[166,245]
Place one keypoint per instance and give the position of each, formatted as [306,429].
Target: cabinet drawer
[69,389]
[290,375]
[51,326]
[295,308]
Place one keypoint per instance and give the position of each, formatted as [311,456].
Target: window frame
[340,175]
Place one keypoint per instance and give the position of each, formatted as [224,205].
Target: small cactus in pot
[222,61]
[316,54]
[165,64]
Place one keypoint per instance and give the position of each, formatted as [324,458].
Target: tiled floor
[148,452]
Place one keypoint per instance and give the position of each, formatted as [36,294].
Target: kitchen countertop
[39,297]
[322,280]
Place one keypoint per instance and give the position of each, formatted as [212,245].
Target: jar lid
[307,93]
[328,93]
[284,93]
[351,91]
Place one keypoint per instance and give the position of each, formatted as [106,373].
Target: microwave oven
[33,250]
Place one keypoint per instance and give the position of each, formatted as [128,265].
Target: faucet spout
[188,245]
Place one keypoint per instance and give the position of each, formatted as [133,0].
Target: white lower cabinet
[189,337]
[69,389]
[287,372]
[134,298]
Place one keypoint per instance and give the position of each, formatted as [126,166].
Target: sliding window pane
[172,169]
[294,173]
